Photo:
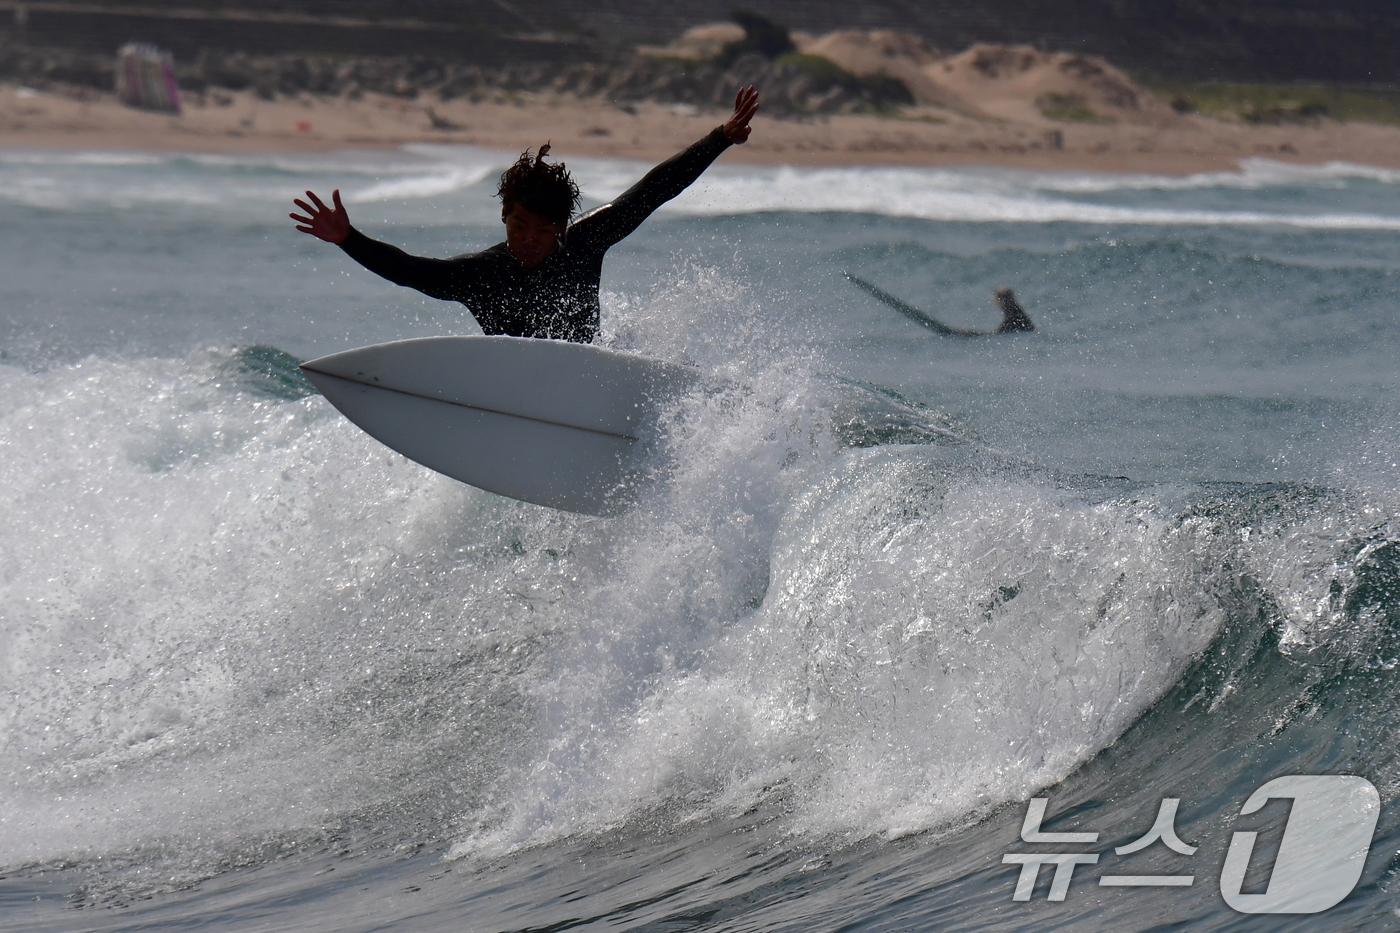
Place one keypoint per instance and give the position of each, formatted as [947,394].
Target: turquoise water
[258,672]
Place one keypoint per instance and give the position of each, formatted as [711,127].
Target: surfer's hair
[546,188]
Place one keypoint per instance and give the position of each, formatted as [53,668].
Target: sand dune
[894,55]
[1017,83]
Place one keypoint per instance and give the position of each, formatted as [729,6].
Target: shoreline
[74,119]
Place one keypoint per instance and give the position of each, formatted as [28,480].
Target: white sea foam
[945,195]
[425,173]
[65,181]
[422,186]
[242,604]
[179,562]
[89,159]
[902,674]
[1254,174]
[889,638]
[44,187]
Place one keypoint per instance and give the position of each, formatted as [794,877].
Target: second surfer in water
[1013,317]
[543,280]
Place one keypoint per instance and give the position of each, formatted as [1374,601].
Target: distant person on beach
[543,280]
[1013,317]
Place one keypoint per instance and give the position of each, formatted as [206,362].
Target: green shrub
[1279,103]
[1068,108]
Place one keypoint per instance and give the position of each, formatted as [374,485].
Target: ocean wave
[52,193]
[66,181]
[1254,174]
[951,196]
[141,623]
[893,639]
[423,173]
[422,186]
[929,645]
[86,159]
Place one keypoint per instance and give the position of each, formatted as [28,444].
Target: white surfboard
[554,423]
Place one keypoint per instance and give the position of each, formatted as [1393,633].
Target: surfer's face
[530,237]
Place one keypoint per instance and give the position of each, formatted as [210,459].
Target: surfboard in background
[549,422]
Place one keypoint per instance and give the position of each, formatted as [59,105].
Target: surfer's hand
[745,106]
[331,225]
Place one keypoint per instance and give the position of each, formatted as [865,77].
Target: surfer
[1013,317]
[543,280]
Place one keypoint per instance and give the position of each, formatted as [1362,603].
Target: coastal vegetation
[1068,108]
[1273,104]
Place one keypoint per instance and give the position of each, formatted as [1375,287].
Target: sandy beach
[1013,106]
[66,119]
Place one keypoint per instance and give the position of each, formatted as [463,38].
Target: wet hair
[545,188]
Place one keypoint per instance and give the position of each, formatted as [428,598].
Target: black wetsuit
[557,299]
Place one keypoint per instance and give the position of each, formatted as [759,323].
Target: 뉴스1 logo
[1324,847]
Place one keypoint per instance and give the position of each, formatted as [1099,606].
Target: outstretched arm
[611,222]
[437,278]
